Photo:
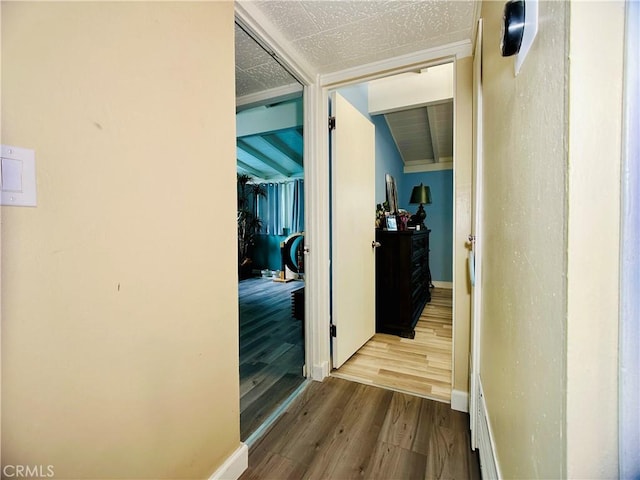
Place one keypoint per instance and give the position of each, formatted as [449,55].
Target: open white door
[352,229]
[475,263]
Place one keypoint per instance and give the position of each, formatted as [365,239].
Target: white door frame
[629,387]
[316,277]
[333,81]
[475,262]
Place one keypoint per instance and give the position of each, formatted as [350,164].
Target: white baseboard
[320,372]
[460,401]
[489,467]
[233,466]
[439,284]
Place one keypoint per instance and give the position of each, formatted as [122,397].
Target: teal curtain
[282,208]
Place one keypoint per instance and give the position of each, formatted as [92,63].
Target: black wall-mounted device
[512,27]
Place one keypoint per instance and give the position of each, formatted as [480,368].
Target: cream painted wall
[595,108]
[119,318]
[462,185]
[523,336]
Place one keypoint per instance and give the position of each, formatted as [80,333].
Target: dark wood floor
[339,429]
[271,349]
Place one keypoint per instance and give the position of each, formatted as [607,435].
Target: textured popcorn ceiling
[330,36]
[256,70]
[334,35]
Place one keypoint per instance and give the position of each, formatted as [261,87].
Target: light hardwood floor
[420,366]
[339,429]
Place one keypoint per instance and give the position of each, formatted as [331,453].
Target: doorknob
[375,244]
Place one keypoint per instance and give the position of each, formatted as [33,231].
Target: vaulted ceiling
[330,36]
[423,135]
[271,152]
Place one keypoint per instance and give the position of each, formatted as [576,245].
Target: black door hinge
[332,329]
[332,123]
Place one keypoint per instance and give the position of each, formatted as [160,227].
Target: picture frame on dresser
[392,223]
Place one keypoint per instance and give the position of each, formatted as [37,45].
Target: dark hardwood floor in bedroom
[271,349]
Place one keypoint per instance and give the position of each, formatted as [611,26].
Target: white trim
[322,341]
[414,105]
[320,371]
[439,284]
[476,229]
[418,167]
[398,64]
[460,401]
[234,465]
[267,97]
[253,20]
[489,468]
[314,276]
[629,360]
[454,230]
[317,225]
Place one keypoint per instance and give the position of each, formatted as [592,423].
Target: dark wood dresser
[402,280]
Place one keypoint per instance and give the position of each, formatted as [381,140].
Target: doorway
[422,365]
[270,176]
[318,246]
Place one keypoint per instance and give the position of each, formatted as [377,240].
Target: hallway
[339,429]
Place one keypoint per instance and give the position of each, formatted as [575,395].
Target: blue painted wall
[439,218]
[358,96]
[388,160]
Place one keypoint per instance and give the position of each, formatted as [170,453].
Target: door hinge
[333,331]
[332,123]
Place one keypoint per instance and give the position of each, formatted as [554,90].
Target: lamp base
[419,217]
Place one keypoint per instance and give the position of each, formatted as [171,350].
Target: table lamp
[421,195]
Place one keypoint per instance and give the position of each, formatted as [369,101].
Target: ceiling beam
[268,97]
[411,90]
[261,120]
[400,64]
[278,144]
[248,169]
[427,166]
[433,129]
[249,150]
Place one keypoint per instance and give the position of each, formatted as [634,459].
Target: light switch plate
[18,176]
